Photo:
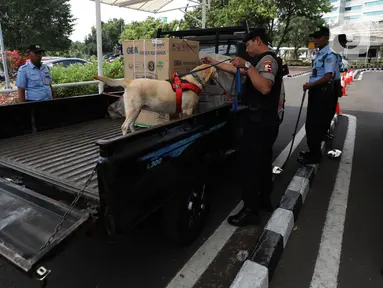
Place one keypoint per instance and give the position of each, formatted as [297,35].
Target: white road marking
[328,260]
[189,274]
[298,139]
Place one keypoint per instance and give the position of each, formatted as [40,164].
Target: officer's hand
[306,86]
[207,60]
[238,62]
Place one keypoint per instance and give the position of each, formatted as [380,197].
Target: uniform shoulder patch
[267,65]
[328,60]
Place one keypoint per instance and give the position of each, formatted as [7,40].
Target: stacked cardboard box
[158,59]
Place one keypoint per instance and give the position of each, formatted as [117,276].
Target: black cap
[320,31]
[35,48]
[257,32]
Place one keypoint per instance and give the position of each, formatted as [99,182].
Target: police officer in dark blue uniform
[261,94]
[321,87]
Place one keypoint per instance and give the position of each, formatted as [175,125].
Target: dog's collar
[198,79]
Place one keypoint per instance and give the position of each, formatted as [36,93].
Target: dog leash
[202,69]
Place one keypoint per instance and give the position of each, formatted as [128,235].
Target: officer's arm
[263,81]
[21,83]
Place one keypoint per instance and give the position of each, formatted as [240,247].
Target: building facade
[344,11]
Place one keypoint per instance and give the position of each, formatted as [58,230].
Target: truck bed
[63,156]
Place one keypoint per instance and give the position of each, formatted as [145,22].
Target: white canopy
[152,6]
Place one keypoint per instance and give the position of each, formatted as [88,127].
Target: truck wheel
[185,216]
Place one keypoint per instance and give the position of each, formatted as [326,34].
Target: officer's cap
[257,32]
[320,31]
[35,48]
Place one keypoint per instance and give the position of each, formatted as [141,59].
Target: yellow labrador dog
[158,95]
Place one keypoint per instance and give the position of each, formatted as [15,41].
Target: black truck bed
[63,156]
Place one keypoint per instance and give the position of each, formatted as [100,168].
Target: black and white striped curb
[298,74]
[258,269]
[358,74]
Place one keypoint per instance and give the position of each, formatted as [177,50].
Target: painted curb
[298,74]
[257,271]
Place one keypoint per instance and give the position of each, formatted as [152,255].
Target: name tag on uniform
[314,74]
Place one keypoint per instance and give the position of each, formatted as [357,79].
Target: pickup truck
[52,152]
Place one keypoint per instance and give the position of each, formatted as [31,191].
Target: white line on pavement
[328,260]
[200,261]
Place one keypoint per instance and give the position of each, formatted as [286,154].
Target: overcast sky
[85,12]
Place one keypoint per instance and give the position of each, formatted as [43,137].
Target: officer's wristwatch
[247,65]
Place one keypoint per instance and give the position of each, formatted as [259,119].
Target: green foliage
[297,36]
[81,73]
[146,29]
[47,22]
[288,10]
[111,32]
[231,13]
[77,49]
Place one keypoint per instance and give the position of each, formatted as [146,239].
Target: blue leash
[237,89]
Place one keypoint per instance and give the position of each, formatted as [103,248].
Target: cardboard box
[158,59]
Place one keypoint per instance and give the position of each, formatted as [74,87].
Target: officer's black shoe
[310,159]
[244,217]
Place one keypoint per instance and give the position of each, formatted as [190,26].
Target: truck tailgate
[27,220]
[64,156]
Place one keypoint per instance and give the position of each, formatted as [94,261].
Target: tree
[111,32]
[232,13]
[77,49]
[287,10]
[300,28]
[146,29]
[47,22]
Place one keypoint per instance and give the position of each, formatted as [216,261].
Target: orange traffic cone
[337,111]
[343,84]
[352,76]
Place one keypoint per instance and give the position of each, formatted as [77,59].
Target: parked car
[64,61]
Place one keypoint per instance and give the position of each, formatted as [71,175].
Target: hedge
[81,73]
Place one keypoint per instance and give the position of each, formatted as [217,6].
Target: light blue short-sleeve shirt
[35,81]
[325,62]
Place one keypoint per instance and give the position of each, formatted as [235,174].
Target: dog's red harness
[180,85]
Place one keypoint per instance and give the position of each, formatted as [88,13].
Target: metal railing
[64,85]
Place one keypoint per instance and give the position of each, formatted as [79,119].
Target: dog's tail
[113,82]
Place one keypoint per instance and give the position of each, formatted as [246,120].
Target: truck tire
[185,215]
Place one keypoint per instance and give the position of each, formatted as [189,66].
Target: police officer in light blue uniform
[320,88]
[34,79]
[339,44]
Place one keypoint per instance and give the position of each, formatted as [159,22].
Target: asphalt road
[361,258]
[145,258]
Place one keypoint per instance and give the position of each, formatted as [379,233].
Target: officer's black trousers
[337,92]
[259,135]
[318,110]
